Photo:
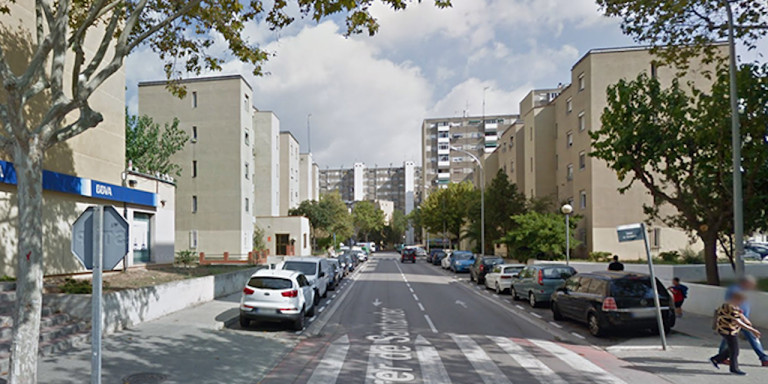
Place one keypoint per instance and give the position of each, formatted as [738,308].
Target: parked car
[409,254]
[277,295]
[481,266]
[360,254]
[447,260]
[756,251]
[537,283]
[432,253]
[438,257]
[608,301]
[338,273]
[420,252]
[501,275]
[315,269]
[461,261]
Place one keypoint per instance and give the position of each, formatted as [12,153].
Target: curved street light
[567,209]
[482,195]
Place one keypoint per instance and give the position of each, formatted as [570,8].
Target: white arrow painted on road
[432,368]
[376,302]
[329,368]
[459,302]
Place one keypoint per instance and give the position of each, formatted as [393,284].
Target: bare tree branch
[109,34]
[88,119]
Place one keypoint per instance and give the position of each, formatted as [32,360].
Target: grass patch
[6,278]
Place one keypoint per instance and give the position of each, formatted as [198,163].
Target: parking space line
[534,314]
[321,309]
[579,336]
[555,325]
[518,306]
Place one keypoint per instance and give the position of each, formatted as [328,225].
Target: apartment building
[477,135]
[395,184]
[215,195]
[548,154]
[86,170]
[266,163]
[308,178]
[289,172]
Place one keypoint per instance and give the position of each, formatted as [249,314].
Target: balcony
[443,164]
[444,175]
[443,128]
[445,140]
[444,150]
[491,126]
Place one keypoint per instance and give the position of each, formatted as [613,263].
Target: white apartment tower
[359,182]
[289,172]
[266,154]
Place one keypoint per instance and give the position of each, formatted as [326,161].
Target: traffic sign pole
[656,300]
[96,302]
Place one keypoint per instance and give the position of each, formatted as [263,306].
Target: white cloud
[469,95]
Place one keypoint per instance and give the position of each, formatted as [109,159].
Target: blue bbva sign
[59,182]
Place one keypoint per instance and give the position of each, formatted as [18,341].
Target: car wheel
[556,314]
[317,297]
[298,324]
[498,289]
[414,261]
[244,322]
[594,325]
[513,292]
[480,280]
[325,294]
[311,311]
[532,300]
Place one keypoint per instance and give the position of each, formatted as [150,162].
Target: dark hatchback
[482,266]
[409,254]
[608,301]
[437,257]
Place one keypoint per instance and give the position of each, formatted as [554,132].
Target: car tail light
[505,277]
[609,304]
[248,291]
[286,309]
[541,277]
[294,293]
[482,267]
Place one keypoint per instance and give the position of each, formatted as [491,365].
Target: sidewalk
[691,344]
[188,346]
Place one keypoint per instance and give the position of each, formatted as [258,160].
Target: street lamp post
[567,209]
[482,195]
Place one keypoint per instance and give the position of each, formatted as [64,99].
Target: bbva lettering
[103,190]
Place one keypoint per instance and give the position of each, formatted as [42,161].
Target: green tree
[71,48]
[448,208]
[326,217]
[150,147]
[368,218]
[676,143]
[394,231]
[502,201]
[537,235]
[690,27]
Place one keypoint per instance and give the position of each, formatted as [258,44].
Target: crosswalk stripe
[484,366]
[432,368]
[329,368]
[578,363]
[534,366]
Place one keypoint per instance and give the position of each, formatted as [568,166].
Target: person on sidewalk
[730,321]
[679,294]
[616,265]
[746,284]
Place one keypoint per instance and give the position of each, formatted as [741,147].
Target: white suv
[316,269]
[275,295]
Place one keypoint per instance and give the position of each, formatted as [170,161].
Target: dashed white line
[556,325]
[508,301]
[534,314]
[518,306]
[415,297]
[497,296]
[421,307]
[577,335]
[431,325]
[311,319]
[321,309]
[334,296]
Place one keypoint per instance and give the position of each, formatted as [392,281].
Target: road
[415,323]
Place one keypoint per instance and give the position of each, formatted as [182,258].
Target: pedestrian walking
[679,294]
[746,284]
[616,265]
[729,322]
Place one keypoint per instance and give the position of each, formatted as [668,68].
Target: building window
[194,134]
[656,237]
[531,164]
[305,240]
[194,168]
[247,102]
[247,139]
[583,199]
[569,105]
[582,82]
[569,173]
[530,130]
[193,239]
[582,121]
[582,160]
[512,167]
[569,138]
[557,161]
[194,204]
[194,99]
[247,205]
[247,173]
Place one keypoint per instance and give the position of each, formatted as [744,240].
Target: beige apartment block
[289,173]
[214,200]
[538,119]
[588,183]
[266,164]
[308,178]
[286,235]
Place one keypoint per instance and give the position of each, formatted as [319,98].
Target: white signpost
[633,232]
[99,241]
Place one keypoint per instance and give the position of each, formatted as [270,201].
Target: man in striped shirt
[730,321]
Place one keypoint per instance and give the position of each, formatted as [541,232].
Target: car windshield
[493,261]
[558,273]
[762,250]
[270,283]
[512,269]
[635,287]
[462,255]
[306,267]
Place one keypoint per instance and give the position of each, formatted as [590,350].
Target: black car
[432,253]
[608,301]
[409,254]
[482,266]
[437,257]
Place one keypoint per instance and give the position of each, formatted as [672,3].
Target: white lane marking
[377,361]
[411,289]
[431,324]
[329,368]
[334,296]
[534,314]
[422,307]
[579,336]
[311,319]
[578,363]
[484,366]
[415,297]
[518,306]
[508,301]
[432,368]
[321,309]
[556,325]
[534,366]
[497,296]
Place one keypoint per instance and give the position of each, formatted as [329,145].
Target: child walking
[679,294]
[729,322]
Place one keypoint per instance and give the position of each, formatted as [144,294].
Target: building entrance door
[140,238]
[282,241]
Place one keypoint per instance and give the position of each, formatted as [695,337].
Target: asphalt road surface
[415,323]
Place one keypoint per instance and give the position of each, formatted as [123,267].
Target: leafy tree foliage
[690,26]
[394,231]
[368,218]
[150,147]
[448,208]
[327,217]
[536,235]
[502,201]
[676,143]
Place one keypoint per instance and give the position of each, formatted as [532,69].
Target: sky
[368,95]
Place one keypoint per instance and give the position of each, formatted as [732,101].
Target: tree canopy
[368,218]
[536,235]
[150,147]
[328,216]
[502,201]
[448,208]
[676,142]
